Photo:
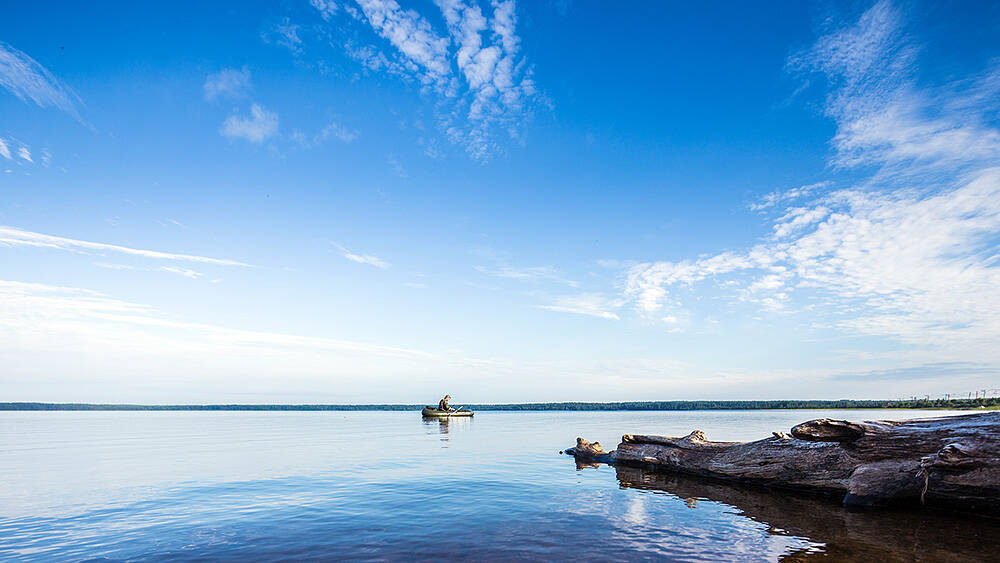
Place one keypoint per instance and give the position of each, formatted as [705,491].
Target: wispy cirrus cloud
[12,236]
[908,255]
[883,117]
[112,266]
[138,338]
[590,304]
[362,258]
[25,78]
[187,273]
[934,370]
[33,314]
[473,67]
[176,270]
[28,80]
[530,273]
[11,149]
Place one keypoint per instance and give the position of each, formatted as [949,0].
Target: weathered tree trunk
[950,462]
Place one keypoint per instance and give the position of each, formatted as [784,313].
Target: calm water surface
[300,486]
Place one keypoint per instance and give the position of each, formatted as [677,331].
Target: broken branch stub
[827,430]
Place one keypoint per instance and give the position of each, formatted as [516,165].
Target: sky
[327,201]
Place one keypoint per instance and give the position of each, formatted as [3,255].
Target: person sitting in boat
[443,404]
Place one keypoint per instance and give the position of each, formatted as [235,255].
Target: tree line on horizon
[563,406]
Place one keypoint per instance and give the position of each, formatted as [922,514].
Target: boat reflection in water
[840,534]
[446,425]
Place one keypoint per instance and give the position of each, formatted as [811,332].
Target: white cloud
[915,268]
[21,153]
[376,61]
[181,272]
[498,83]
[363,258]
[337,131]
[647,284]
[259,126]
[229,83]
[777,197]
[531,273]
[483,86]
[285,34]
[396,168]
[130,352]
[411,34]
[110,266]
[186,360]
[614,264]
[12,236]
[234,84]
[798,218]
[911,254]
[39,316]
[883,118]
[591,304]
[332,130]
[170,222]
[431,148]
[327,8]
[24,77]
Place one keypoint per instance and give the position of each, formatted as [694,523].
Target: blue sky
[335,201]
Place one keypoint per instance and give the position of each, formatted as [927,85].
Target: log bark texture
[951,462]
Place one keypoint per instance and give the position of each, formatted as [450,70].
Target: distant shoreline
[944,404]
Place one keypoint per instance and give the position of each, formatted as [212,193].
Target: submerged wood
[951,462]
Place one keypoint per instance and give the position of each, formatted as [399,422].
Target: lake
[381,486]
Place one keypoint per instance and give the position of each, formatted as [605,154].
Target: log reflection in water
[902,535]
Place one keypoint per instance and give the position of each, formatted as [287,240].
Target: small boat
[433,412]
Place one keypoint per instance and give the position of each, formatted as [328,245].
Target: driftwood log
[951,462]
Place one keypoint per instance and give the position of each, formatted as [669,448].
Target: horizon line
[704,404]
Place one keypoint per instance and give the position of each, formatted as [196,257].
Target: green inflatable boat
[432,412]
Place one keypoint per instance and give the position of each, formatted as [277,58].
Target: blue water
[301,486]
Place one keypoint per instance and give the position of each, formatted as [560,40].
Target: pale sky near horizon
[336,202]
